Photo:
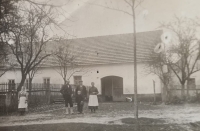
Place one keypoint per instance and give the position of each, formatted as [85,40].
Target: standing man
[81,94]
[67,93]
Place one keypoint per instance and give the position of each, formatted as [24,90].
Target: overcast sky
[88,19]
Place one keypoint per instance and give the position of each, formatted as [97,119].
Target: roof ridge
[117,34]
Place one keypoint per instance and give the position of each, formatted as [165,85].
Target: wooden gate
[112,88]
[8,97]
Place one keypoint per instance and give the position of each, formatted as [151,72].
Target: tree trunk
[30,85]
[183,91]
[154,91]
[65,81]
[135,64]
[21,83]
[135,67]
[188,95]
[164,94]
[165,91]
[30,89]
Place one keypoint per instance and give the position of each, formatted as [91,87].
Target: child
[81,94]
[80,102]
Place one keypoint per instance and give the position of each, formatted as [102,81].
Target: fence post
[48,94]
[154,90]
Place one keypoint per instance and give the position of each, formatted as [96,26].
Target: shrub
[175,100]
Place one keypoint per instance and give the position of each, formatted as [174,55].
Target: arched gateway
[112,88]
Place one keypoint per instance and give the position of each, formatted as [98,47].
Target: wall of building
[176,83]
[95,73]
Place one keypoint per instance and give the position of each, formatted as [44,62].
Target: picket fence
[38,94]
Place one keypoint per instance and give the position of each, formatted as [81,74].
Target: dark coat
[83,94]
[66,90]
[79,98]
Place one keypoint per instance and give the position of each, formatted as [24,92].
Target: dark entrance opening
[112,88]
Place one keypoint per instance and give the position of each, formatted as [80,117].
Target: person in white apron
[22,98]
[93,100]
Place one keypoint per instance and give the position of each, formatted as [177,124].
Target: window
[27,83]
[46,82]
[11,84]
[77,79]
[191,83]
[11,81]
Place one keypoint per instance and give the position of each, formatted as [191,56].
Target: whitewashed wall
[197,77]
[126,71]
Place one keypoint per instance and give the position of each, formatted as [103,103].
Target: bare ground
[185,117]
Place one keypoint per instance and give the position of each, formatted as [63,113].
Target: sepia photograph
[99,65]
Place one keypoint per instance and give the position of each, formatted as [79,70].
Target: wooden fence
[38,94]
[8,97]
[43,94]
[193,92]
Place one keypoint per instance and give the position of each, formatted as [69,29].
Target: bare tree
[32,74]
[185,45]
[67,57]
[154,65]
[30,34]
[7,11]
[3,59]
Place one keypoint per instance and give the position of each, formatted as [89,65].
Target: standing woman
[22,98]
[93,101]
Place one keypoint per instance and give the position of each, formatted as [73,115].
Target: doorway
[112,88]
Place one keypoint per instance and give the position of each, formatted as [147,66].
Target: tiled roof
[112,49]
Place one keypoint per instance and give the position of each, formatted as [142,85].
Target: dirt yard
[155,117]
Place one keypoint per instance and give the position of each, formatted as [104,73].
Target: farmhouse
[108,62]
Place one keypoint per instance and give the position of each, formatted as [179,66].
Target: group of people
[67,92]
[80,97]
